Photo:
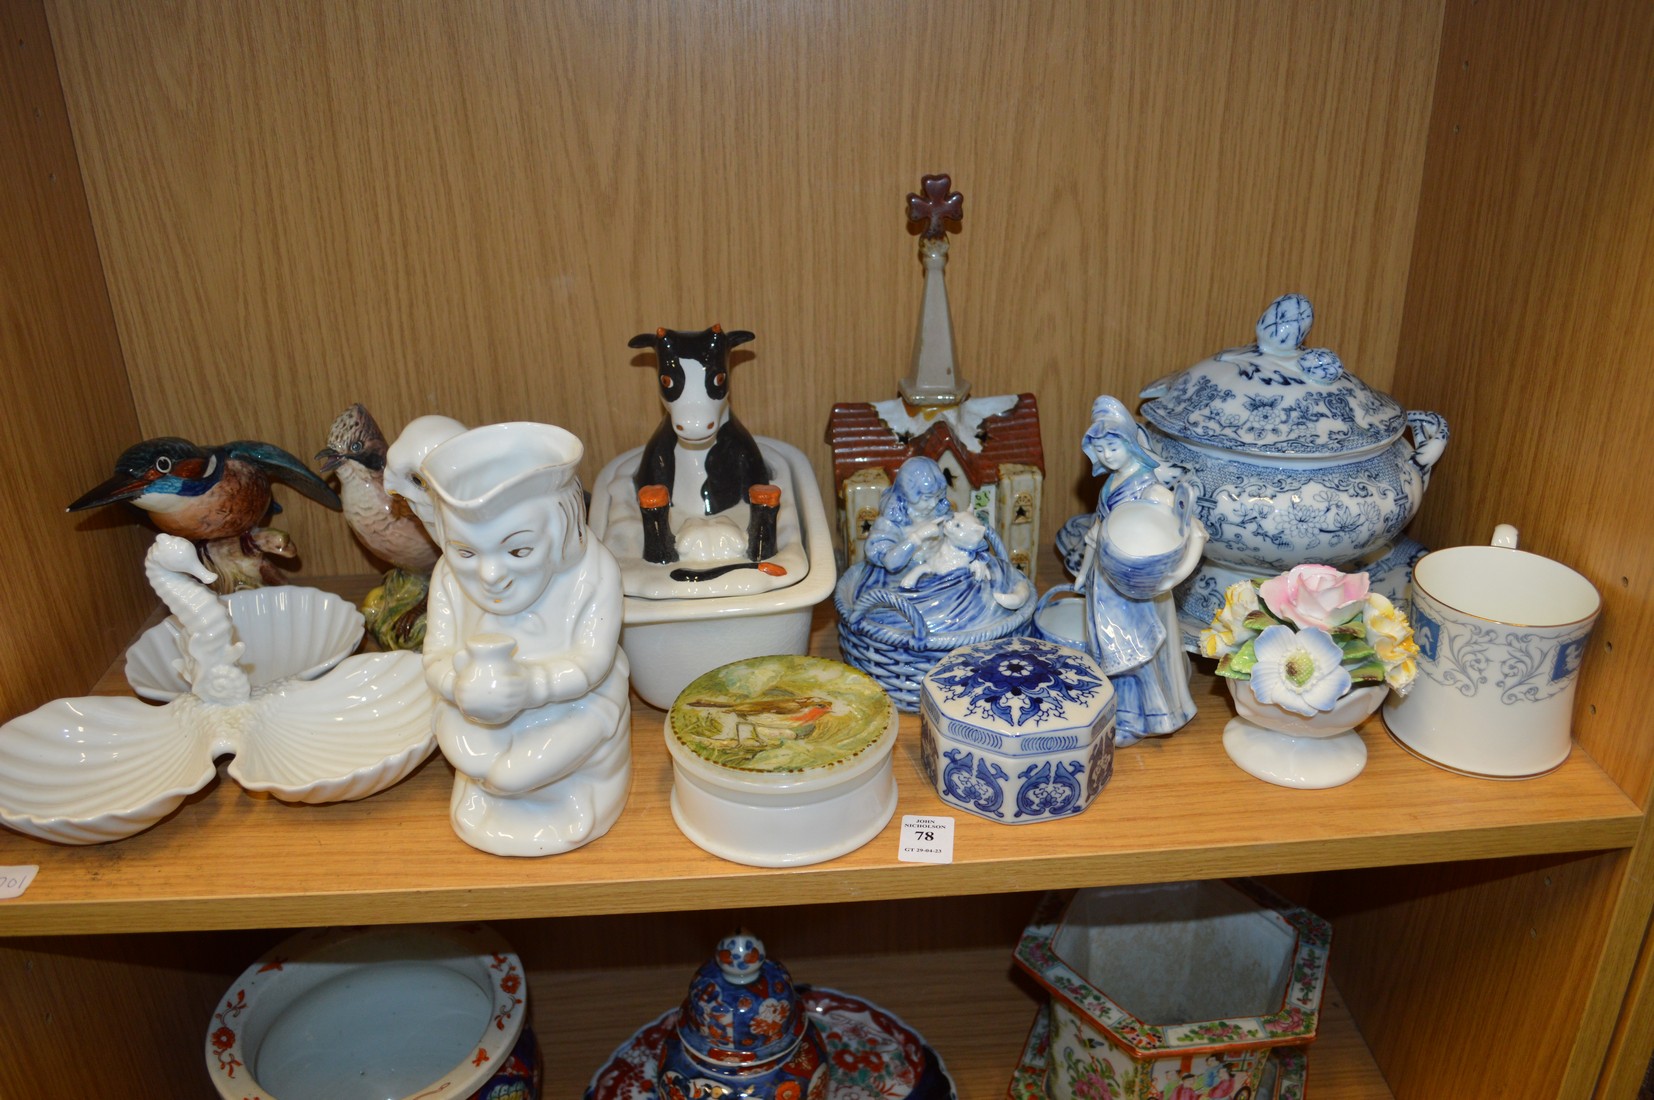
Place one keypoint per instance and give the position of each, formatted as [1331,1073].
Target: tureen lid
[1275,397]
[742,1010]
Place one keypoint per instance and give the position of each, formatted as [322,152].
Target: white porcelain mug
[1501,634]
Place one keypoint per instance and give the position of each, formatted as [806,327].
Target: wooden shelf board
[971,1006]
[1177,808]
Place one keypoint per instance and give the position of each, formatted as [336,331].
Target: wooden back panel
[470,209]
[72,594]
[1530,325]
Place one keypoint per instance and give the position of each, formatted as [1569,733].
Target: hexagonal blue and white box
[1017,730]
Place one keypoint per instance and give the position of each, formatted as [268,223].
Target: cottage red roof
[861,439]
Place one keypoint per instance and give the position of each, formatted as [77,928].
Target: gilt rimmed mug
[1501,633]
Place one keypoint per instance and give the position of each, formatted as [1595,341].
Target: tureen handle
[1429,440]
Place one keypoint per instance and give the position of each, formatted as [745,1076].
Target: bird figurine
[355,453]
[212,494]
[383,523]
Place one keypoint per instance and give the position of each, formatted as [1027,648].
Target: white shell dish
[289,631]
[86,771]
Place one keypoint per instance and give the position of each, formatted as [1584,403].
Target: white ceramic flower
[1229,631]
[1299,671]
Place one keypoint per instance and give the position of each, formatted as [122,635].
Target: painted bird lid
[742,1010]
[1275,397]
[782,715]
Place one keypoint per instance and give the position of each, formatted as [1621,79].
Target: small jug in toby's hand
[1501,634]
[743,1032]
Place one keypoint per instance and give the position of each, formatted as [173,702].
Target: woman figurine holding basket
[1143,540]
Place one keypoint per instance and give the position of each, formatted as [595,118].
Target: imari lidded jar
[743,1033]
[1297,460]
[1177,986]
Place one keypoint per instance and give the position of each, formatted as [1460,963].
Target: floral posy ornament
[1308,654]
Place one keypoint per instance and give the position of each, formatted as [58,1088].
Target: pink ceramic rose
[1315,595]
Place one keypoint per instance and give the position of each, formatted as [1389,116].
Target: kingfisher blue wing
[283,467]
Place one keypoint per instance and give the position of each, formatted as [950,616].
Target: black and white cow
[700,449]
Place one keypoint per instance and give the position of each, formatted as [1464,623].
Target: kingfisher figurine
[214,496]
[385,525]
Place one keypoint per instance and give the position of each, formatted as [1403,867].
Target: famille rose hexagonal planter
[1175,991]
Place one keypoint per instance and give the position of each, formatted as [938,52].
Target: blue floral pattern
[1021,683]
[1275,409]
[1048,791]
[1272,518]
[1524,667]
[974,783]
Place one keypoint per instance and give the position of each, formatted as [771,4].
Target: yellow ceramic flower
[1391,637]
[1400,675]
[1228,631]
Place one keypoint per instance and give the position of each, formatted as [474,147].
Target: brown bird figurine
[355,452]
[386,525]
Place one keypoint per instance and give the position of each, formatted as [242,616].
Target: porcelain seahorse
[209,660]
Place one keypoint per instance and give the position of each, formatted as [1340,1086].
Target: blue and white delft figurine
[1142,541]
[743,1032]
[930,580]
[522,644]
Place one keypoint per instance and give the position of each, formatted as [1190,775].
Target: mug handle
[1505,535]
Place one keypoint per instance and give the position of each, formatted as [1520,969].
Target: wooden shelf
[978,1035]
[1175,809]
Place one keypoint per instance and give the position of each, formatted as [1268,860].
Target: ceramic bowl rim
[508,1008]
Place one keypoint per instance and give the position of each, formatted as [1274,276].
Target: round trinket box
[782,760]
[1017,730]
[744,1032]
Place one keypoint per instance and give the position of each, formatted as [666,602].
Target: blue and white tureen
[1296,459]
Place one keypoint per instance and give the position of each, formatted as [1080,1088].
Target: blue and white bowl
[1017,730]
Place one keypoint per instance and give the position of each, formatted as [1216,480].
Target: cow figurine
[700,453]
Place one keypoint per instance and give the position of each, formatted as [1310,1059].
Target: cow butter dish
[745,1031]
[522,644]
[85,771]
[1017,730]
[721,536]
[781,761]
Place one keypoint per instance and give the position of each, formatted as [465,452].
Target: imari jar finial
[743,1032]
